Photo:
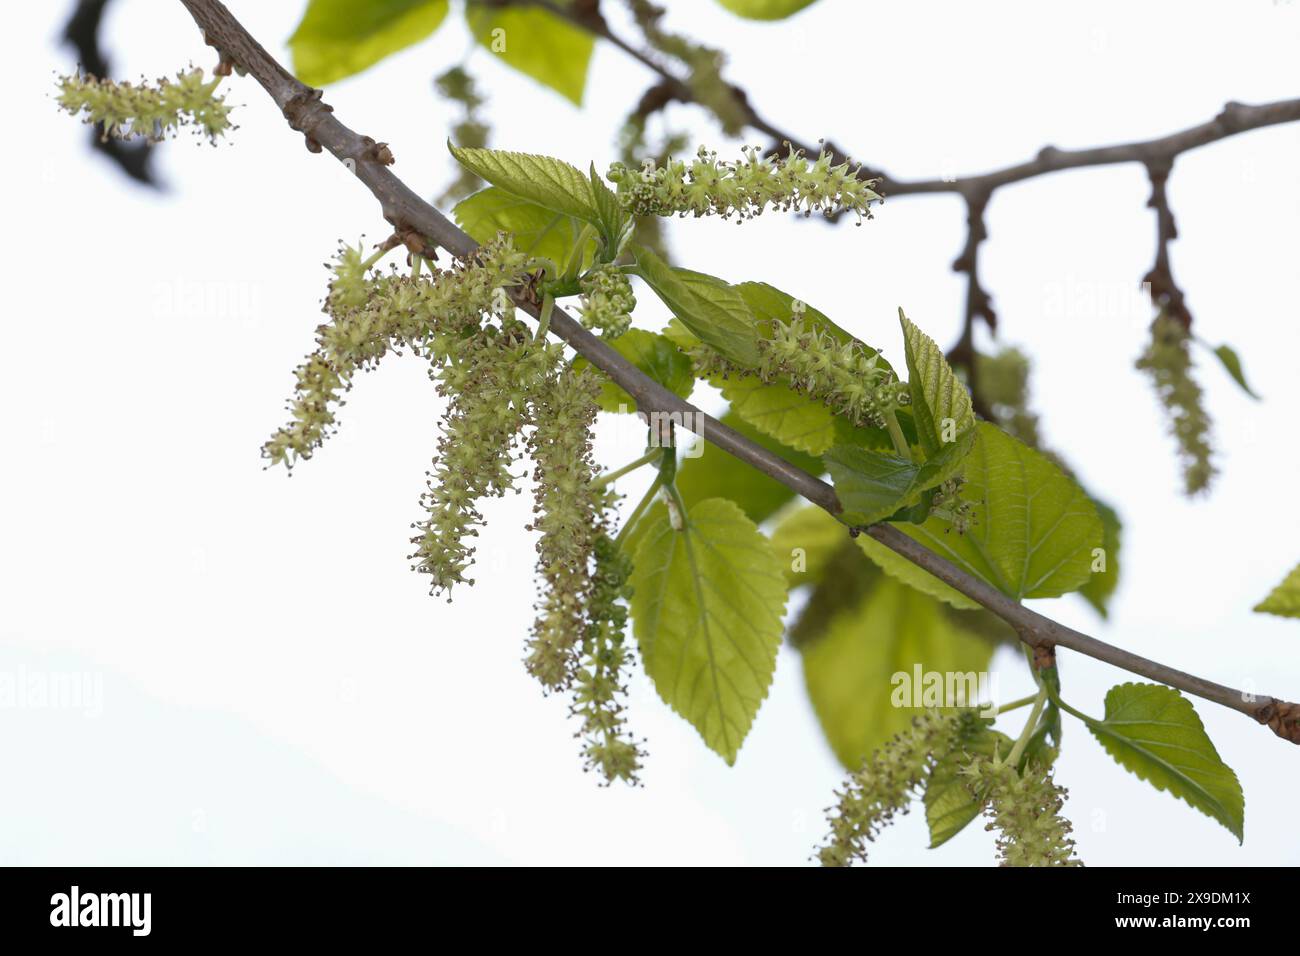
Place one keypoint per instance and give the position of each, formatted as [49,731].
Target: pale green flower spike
[148,111]
[744,188]
[568,514]
[1025,809]
[372,314]
[846,377]
[1168,361]
[885,786]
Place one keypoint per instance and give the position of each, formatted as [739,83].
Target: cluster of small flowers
[744,188]
[149,111]
[608,746]
[948,503]
[846,377]
[1026,812]
[489,379]
[1168,361]
[885,786]
[607,301]
[568,515]
[372,314]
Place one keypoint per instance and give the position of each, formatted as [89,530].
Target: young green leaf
[654,355]
[949,803]
[616,226]
[901,569]
[1034,532]
[713,310]
[715,474]
[337,38]
[765,9]
[872,486]
[866,663]
[707,603]
[537,43]
[537,231]
[777,410]
[1228,356]
[807,540]
[1154,732]
[543,180]
[1283,600]
[1101,585]
[941,406]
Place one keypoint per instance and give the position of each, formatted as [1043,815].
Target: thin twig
[406,210]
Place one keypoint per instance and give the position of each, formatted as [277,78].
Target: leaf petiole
[652,455]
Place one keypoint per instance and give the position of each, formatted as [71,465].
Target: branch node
[1283,718]
[303,111]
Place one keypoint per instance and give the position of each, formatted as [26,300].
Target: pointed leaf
[546,181]
[850,671]
[1033,530]
[941,405]
[537,43]
[1283,600]
[1154,732]
[1228,356]
[337,38]
[1099,588]
[537,231]
[872,486]
[707,603]
[713,310]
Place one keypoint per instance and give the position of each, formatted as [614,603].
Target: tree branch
[403,208]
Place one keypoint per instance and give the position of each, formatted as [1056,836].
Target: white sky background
[277,685]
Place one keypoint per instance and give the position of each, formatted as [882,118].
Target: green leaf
[850,671]
[537,231]
[337,38]
[765,9]
[949,803]
[1154,732]
[777,410]
[543,180]
[616,226]
[941,405]
[537,43]
[901,569]
[872,486]
[713,310]
[1283,600]
[807,540]
[1228,356]
[1099,588]
[707,603]
[656,357]
[1033,529]
[715,474]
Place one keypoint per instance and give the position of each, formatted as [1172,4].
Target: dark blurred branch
[133,157]
[406,210]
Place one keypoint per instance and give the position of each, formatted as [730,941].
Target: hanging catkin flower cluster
[148,111]
[505,391]
[744,188]
[1168,361]
[372,314]
[1025,810]
[884,787]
